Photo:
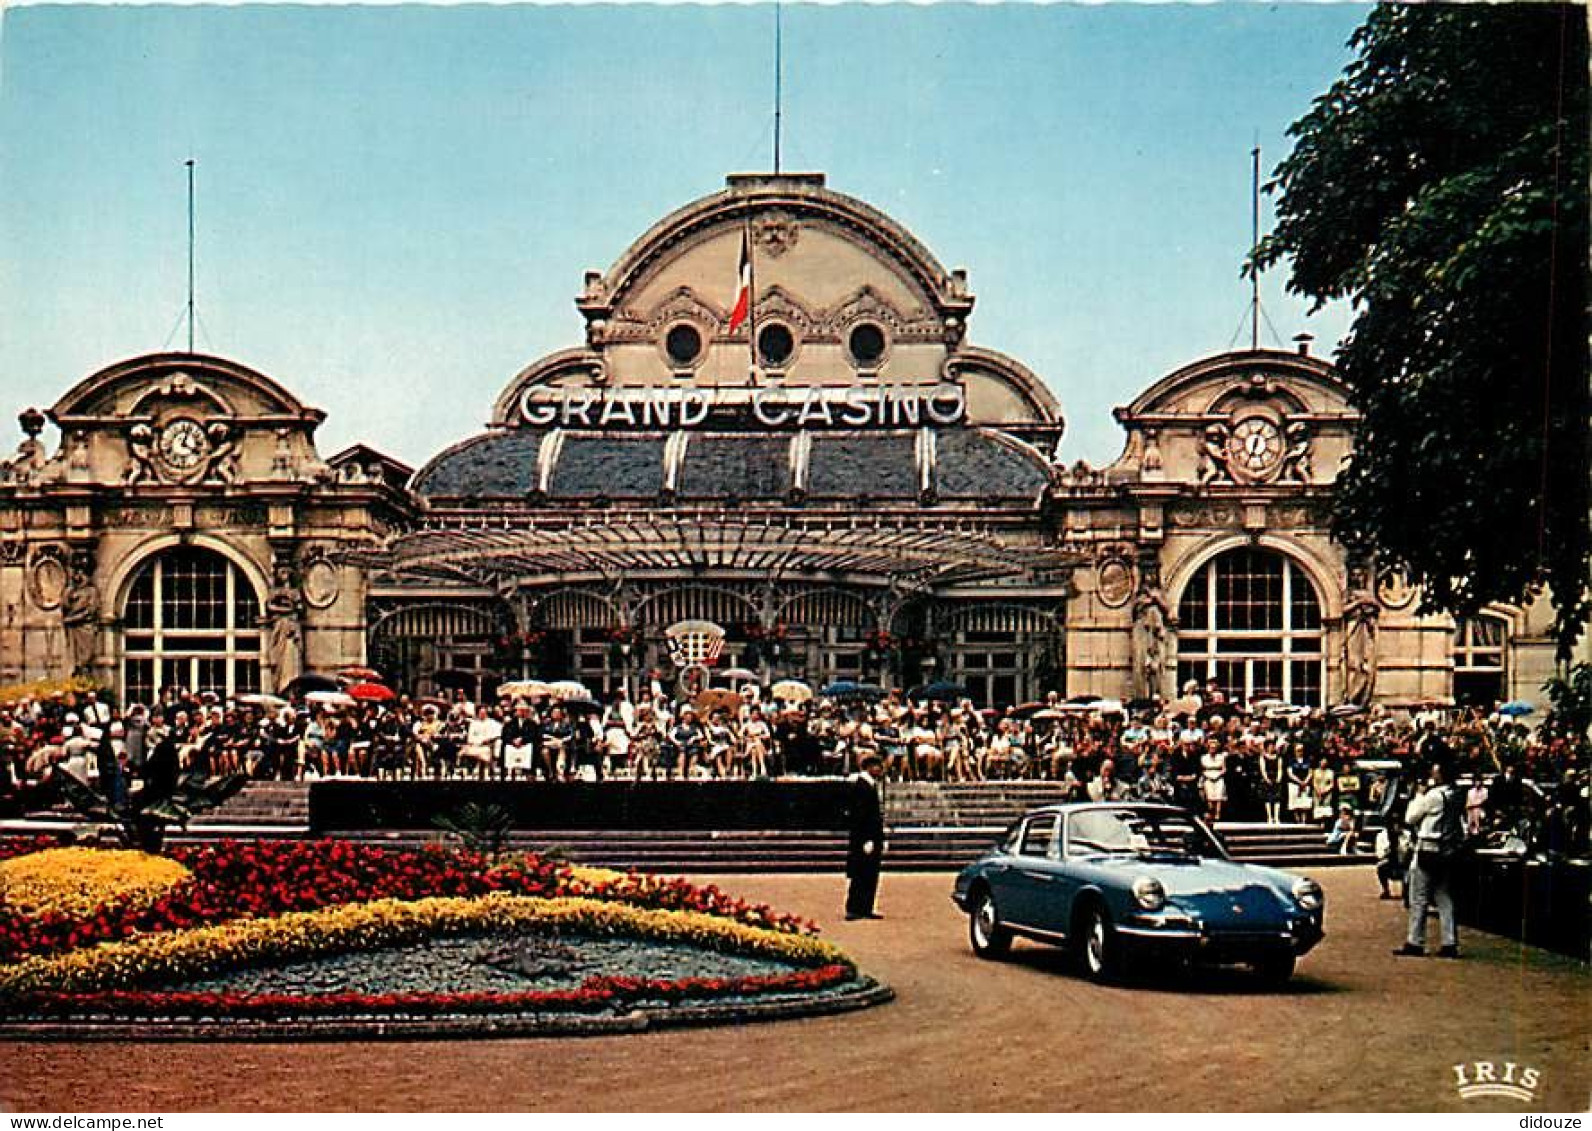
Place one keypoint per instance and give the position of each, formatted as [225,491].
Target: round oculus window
[683,343]
[775,344]
[866,343]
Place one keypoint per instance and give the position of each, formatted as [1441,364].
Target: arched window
[1479,646]
[1250,620]
[192,620]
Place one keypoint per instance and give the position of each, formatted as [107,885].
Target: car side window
[1095,831]
[1039,834]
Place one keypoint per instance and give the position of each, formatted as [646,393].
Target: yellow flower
[584,874]
[76,882]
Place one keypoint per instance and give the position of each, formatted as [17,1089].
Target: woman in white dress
[1213,780]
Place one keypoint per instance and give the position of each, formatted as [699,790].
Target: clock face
[183,444]
[1255,445]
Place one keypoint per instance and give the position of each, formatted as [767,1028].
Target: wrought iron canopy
[513,556]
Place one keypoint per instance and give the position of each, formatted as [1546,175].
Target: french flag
[743,277]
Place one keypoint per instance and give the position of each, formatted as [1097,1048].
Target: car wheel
[984,930]
[1098,946]
[1276,969]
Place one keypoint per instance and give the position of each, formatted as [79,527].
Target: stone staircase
[263,808]
[932,827]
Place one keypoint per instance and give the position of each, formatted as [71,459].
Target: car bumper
[1203,943]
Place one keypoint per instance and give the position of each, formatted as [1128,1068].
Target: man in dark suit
[865,853]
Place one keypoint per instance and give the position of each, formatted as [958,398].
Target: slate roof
[743,467]
[880,465]
[614,467]
[974,464]
[493,465]
[970,464]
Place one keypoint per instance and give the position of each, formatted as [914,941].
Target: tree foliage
[1440,186]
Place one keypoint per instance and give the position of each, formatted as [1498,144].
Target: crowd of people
[1205,752]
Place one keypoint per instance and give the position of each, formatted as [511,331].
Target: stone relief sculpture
[284,633]
[283,463]
[80,620]
[223,454]
[1151,614]
[28,464]
[1360,613]
[79,463]
[1296,459]
[141,455]
[1213,456]
[1151,462]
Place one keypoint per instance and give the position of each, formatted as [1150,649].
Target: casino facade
[847,484]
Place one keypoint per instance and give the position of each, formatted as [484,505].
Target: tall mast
[189,163]
[1254,242]
[778,81]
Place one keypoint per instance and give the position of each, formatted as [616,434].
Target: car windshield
[1139,832]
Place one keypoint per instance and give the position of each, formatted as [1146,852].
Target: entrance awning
[916,557]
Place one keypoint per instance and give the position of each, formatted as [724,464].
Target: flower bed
[76,882]
[174,955]
[102,934]
[592,994]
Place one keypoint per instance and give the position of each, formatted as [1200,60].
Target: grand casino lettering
[853,406]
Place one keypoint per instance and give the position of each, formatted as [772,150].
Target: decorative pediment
[1259,386]
[869,305]
[683,304]
[778,304]
[181,390]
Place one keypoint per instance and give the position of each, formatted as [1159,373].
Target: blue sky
[396,205]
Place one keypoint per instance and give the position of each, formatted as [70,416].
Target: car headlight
[1307,893]
[1149,892]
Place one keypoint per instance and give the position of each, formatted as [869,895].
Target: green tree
[1440,186]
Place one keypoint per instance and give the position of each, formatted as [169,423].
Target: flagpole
[190,255]
[751,303]
[1254,242]
[778,77]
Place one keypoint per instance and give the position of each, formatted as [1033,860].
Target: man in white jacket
[1434,816]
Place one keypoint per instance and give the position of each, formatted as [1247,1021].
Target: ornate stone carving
[779,305]
[49,577]
[775,233]
[223,463]
[1360,612]
[1114,582]
[867,303]
[284,632]
[1151,615]
[224,517]
[319,579]
[681,304]
[1213,456]
[1296,466]
[80,609]
[141,465]
[1185,514]
[284,464]
[78,463]
[1150,461]
[1394,590]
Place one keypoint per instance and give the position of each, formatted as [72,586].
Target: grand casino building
[875,497]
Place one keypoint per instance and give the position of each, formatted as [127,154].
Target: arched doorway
[1250,619]
[440,647]
[191,619]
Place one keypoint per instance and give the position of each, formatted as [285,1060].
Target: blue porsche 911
[1120,881]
